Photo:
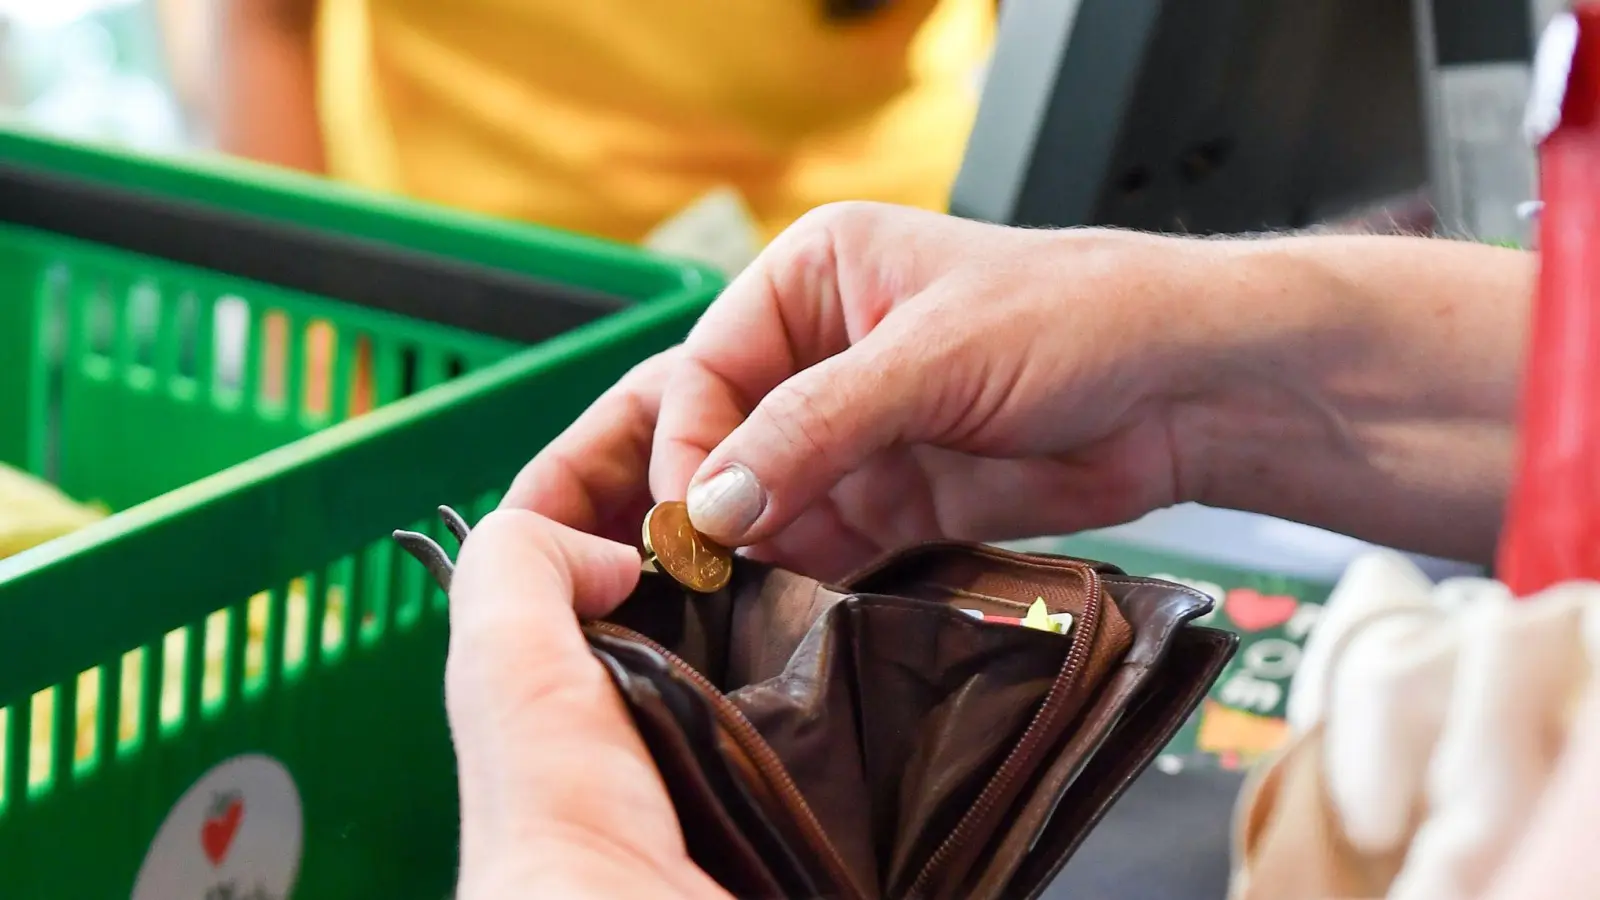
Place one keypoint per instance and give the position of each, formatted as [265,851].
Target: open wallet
[874,739]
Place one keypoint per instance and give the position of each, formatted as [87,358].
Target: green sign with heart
[1243,717]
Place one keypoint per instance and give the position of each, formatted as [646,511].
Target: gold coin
[675,547]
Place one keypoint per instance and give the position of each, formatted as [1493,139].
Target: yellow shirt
[609,116]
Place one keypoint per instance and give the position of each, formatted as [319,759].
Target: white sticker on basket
[236,834]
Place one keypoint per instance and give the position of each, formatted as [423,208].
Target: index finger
[783,313]
[594,476]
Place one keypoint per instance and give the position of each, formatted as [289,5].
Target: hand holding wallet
[871,740]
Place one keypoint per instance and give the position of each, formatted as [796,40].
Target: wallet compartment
[997,580]
[1133,695]
[761,768]
[905,728]
[725,828]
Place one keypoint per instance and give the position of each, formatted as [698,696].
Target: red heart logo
[216,835]
[1254,611]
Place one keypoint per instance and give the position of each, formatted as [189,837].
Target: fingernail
[725,505]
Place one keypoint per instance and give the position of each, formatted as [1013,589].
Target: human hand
[905,376]
[559,797]
[882,375]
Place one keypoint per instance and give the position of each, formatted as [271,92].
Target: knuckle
[823,229]
[533,535]
[500,520]
[831,216]
[799,411]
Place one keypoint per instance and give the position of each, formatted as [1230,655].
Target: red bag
[1552,531]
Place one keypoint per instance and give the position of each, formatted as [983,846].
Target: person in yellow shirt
[606,117]
[609,117]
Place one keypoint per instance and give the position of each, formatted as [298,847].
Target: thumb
[518,566]
[517,658]
[808,433]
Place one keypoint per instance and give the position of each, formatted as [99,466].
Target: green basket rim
[307,201]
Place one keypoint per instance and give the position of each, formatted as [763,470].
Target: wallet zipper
[1028,746]
[756,747]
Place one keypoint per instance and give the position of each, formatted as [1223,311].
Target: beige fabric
[1292,843]
[1427,721]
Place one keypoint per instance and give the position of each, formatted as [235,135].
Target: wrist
[1360,383]
[1230,336]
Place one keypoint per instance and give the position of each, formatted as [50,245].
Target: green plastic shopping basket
[232,687]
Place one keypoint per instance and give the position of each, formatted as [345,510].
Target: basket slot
[169,703]
[408,370]
[271,327]
[372,587]
[94,328]
[41,737]
[77,744]
[319,370]
[8,755]
[56,320]
[129,709]
[213,662]
[305,612]
[283,360]
[142,318]
[87,742]
[264,645]
[341,608]
[232,348]
[99,317]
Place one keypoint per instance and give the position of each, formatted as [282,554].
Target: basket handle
[1552,527]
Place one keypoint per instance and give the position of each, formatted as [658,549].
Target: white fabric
[1444,711]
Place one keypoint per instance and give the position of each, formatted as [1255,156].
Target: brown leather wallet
[870,740]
